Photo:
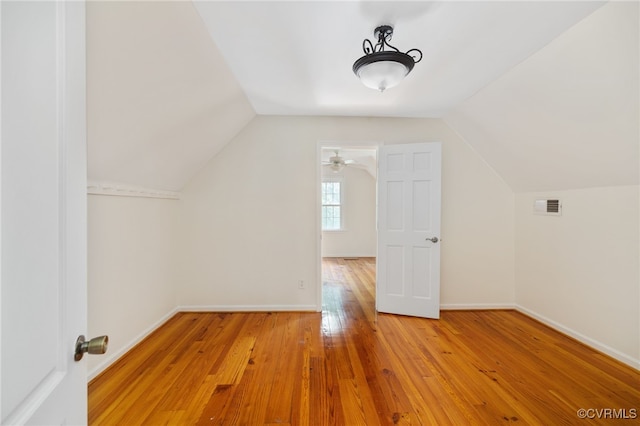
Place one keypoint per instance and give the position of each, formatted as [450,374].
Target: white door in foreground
[408,263]
[43,212]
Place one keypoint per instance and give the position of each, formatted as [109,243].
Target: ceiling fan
[337,163]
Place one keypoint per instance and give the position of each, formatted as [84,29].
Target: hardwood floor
[351,366]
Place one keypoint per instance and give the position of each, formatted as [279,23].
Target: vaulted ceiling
[161,100]
[568,116]
[529,85]
[295,58]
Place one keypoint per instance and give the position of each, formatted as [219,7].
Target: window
[332,205]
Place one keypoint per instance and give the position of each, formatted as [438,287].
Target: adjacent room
[243,193]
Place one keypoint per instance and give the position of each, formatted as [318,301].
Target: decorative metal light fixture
[381,69]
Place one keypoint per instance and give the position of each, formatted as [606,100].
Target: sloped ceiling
[568,116]
[161,100]
[295,58]
[546,92]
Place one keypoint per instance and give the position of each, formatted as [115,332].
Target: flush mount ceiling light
[381,69]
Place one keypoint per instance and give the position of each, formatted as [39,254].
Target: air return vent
[551,207]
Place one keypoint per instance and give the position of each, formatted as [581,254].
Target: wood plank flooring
[351,366]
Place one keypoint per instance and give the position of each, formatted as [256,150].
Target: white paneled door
[408,274]
[42,212]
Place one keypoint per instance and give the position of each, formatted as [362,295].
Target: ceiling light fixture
[381,69]
[336,167]
[337,163]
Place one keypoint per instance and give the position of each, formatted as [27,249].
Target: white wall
[567,117]
[249,219]
[161,98]
[580,272]
[131,259]
[358,238]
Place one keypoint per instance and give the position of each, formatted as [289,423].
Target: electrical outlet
[301,284]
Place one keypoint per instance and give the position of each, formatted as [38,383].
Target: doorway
[347,181]
[407,223]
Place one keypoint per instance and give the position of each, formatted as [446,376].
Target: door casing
[352,144]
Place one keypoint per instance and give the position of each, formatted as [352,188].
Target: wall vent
[551,207]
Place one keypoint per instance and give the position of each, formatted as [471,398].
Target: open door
[408,266]
[43,212]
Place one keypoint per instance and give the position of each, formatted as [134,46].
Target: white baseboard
[114,356]
[599,346]
[475,306]
[624,358]
[247,308]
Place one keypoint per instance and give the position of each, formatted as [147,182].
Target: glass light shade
[382,70]
[382,75]
[336,167]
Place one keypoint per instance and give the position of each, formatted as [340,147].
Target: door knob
[97,345]
[433,239]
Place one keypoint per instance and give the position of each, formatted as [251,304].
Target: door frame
[322,144]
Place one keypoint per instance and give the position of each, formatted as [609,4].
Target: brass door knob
[97,346]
